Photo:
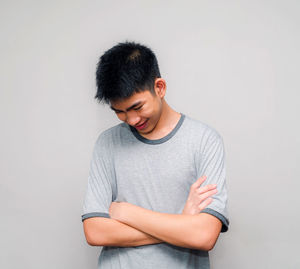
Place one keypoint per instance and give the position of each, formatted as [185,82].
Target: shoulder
[206,139]
[201,130]
[109,134]
[114,138]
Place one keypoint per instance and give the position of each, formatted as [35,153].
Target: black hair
[125,69]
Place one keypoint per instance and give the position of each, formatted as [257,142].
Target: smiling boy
[156,194]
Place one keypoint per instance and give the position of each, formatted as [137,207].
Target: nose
[132,119]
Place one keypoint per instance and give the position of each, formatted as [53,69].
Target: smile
[142,126]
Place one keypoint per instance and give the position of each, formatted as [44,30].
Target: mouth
[141,126]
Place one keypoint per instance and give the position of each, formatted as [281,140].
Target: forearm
[177,229]
[110,232]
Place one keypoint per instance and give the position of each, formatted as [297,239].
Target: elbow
[90,241]
[94,244]
[206,243]
[92,238]
[209,245]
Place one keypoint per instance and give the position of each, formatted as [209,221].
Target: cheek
[121,116]
[148,111]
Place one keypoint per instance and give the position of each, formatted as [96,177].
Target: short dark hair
[124,69]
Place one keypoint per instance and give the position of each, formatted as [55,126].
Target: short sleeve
[212,165]
[98,196]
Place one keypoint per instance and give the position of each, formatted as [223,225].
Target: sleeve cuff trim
[222,218]
[94,214]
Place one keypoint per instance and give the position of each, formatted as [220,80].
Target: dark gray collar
[160,140]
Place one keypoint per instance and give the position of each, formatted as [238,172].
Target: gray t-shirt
[156,175]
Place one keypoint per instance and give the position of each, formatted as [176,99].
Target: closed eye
[138,108]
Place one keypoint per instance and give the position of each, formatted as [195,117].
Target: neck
[168,114]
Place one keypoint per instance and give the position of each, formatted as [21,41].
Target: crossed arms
[131,225]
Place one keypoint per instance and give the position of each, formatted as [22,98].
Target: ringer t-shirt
[157,175]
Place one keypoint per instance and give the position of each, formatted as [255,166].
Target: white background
[231,64]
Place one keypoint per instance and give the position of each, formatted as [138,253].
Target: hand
[116,210]
[199,197]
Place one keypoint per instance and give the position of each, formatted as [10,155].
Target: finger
[208,194]
[199,181]
[205,203]
[207,188]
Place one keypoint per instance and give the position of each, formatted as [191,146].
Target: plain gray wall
[231,64]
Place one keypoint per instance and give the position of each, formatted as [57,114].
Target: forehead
[136,97]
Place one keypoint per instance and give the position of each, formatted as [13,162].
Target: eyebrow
[127,109]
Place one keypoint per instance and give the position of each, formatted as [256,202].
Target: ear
[160,87]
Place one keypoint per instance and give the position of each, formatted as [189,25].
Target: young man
[156,194]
